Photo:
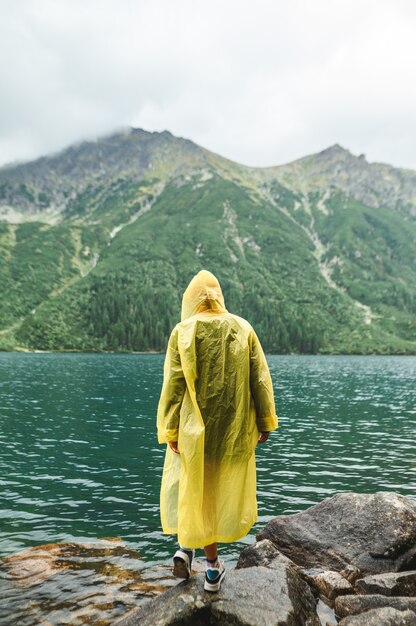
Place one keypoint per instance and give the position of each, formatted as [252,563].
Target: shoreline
[28,351]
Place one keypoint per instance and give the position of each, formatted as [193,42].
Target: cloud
[260,82]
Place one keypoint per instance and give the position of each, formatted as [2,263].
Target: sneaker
[214,576]
[182,563]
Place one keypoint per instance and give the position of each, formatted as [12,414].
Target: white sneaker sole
[214,586]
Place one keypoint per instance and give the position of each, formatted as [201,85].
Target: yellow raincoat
[217,396]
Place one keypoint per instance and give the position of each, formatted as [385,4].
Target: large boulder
[373,533]
[353,605]
[263,553]
[330,584]
[393,584]
[381,617]
[253,596]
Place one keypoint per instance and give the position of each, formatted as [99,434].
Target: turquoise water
[79,457]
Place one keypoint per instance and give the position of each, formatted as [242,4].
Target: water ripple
[79,457]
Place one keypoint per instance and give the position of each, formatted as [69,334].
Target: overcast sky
[262,82]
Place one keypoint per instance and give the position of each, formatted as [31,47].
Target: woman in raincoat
[216,404]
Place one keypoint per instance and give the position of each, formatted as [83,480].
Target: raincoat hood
[202,294]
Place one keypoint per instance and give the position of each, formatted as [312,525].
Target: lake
[80,459]
[80,463]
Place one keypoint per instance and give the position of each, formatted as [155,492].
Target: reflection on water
[75,583]
[79,458]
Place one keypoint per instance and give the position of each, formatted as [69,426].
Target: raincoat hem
[218,538]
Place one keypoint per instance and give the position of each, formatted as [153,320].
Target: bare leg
[214,568]
[211,551]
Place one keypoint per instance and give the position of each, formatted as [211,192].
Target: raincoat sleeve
[173,390]
[261,387]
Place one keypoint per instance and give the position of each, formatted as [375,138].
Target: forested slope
[98,242]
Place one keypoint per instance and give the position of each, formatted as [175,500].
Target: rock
[374,533]
[385,616]
[352,605]
[393,584]
[331,584]
[350,573]
[263,553]
[252,596]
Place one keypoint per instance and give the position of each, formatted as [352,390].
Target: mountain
[98,242]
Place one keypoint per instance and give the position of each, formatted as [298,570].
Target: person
[215,406]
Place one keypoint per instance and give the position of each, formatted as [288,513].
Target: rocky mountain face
[97,243]
[54,184]
[372,184]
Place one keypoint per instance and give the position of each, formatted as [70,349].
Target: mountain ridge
[334,165]
[144,211]
[126,130]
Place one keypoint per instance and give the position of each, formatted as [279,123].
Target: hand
[174,446]
[263,436]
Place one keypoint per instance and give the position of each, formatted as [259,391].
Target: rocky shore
[353,553]
[349,560]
